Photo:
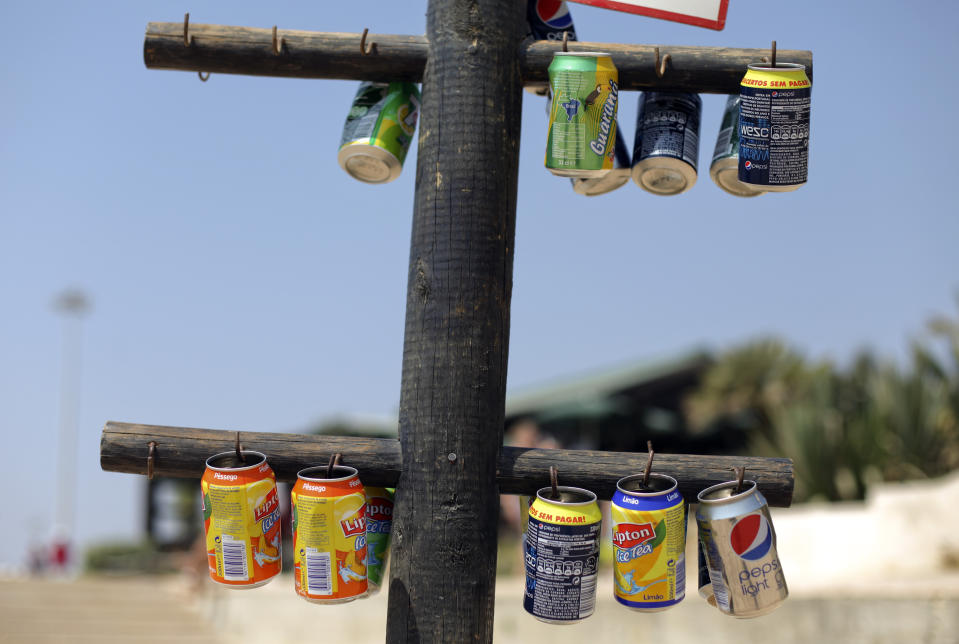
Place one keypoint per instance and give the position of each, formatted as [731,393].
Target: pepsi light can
[549,20]
[739,545]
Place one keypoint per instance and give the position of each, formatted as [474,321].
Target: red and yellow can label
[329,539]
[241,518]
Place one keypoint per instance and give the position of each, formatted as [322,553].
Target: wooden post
[456,341]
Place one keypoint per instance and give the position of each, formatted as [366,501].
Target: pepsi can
[548,20]
[562,555]
[774,127]
[739,545]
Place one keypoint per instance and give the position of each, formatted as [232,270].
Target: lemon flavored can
[774,127]
[581,140]
[329,535]
[241,519]
[739,545]
[379,525]
[666,146]
[562,555]
[378,131]
[649,543]
[724,169]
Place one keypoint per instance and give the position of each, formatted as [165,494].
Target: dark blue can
[549,20]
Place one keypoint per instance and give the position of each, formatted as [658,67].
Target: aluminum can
[704,583]
[549,20]
[724,170]
[379,526]
[649,543]
[615,178]
[378,131]
[329,535]
[562,555]
[666,146]
[241,519]
[774,126]
[581,140]
[739,544]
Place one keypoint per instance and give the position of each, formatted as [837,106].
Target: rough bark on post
[457,325]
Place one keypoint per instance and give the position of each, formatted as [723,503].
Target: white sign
[701,13]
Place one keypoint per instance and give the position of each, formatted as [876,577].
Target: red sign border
[717,24]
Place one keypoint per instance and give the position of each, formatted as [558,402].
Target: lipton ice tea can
[379,525]
[241,518]
[329,535]
[649,543]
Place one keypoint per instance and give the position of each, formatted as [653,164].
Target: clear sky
[241,280]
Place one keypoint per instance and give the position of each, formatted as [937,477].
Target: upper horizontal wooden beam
[182,452]
[307,54]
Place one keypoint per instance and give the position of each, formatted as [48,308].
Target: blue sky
[241,280]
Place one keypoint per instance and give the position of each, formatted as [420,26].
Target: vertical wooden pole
[457,325]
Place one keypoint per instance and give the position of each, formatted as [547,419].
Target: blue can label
[667,125]
[549,20]
[774,128]
[561,569]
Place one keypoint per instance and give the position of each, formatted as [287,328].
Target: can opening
[725,491]
[657,484]
[229,461]
[318,473]
[567,495]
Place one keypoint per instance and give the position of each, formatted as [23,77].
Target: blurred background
[183,253]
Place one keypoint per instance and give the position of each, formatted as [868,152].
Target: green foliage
[843,427]
[126,557]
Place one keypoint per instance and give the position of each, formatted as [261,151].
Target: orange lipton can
[329,535]
[241,518]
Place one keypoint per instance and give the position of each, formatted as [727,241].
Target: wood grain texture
[306,54]
[182,451]
[452,398]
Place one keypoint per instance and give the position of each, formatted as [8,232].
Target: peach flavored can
[241,518]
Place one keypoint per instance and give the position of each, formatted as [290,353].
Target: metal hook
[202,77]
[566,41]
[187,38]
[363,48]
[740,473]
[151,457]
[554,482]
[649,463]
[278,46]
[661,64]
[239,449]
[334,461]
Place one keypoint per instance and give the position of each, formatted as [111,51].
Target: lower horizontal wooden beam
[182,452]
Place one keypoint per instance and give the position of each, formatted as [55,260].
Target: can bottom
[579,174]
[780,188]
[664,175]
[559,622]
[725,174]
[245,586]
[612,180]
[368,162]
[755,613]
[342,600]
[654,608]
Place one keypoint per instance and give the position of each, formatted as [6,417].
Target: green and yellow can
[581,141]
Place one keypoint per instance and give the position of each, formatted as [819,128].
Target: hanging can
[666,146]
[562,555]
[379,526]
[241,519]
[724,169]
[329,535]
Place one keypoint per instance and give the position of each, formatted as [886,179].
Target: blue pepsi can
[549,20]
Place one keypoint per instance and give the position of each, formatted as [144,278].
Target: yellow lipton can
[241,519]
[329,535]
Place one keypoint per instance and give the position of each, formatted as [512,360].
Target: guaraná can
[562,555]
[379,525]
[615,178]
[649,543]
[666,147]
[241,519]
[724,169]
[739,544]
[378,131]
[329,535]
[581,141]
[774,126]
